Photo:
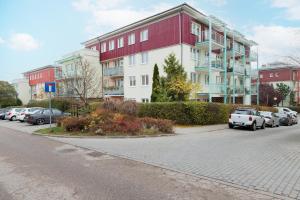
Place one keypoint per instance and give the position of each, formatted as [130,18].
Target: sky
[36,33]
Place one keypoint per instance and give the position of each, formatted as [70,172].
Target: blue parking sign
[50,87]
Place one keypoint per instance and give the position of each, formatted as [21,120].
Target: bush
[61,104]
[192,113]
[295,108]
[161,125]
[73,124]
[125,107]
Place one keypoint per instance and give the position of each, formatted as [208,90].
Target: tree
[82,81]
[268,95]
[8,95]
[176,85]
[292,98]
[284,90]
[156,86]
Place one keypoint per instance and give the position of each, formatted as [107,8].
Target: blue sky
[34,34]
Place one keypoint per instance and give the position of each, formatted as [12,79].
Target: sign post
[50,87]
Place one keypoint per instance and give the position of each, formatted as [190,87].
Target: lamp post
[275,99]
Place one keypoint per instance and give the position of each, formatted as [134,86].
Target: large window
[103,47]
[131,39]
[131,60]
[195,54]
[121,42]
[145,79]
[144,35]
[144,58]
[118,63]
[111,45]
[132,81]
[195,28]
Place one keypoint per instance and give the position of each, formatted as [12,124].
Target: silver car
[271,119]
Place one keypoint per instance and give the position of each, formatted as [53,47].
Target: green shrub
[191,113]
[61,104]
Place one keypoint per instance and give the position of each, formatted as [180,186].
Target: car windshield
[242,112]
[266,114]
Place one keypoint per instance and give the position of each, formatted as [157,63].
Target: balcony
[114,71]
[204,66]
[239,69]
[217,39]
[114,91]
[239,49]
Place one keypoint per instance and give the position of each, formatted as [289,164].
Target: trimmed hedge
[192,113]
[61,104]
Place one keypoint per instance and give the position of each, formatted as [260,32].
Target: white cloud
[23,42]
[108,15]
[1,40]
[275,42]
[292,8]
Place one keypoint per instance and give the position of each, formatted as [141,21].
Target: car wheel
[263,126]
[13,118]
[273,124]
[253,127]
[230,126]
[40,121]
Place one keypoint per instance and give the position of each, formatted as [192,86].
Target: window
[111,45]
[131,39]
[103,47]
[145,79]
[271,75]
[276,75]
[145,100]
[195,28]
[219,79]
[193,77]
[144,58]
[94,48]
[206,79]
[131,60]
[144,35]
[261,76]
[132,81]
[195,54]
[118,63]
[105,65]
[121,42]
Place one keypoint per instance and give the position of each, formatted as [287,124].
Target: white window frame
[131,39]
[195,29]
[145,79]
[111,45]
[144,60]
[103,47]
[145,100]
[144,35]
[120,42]
[132,81]
[131,60]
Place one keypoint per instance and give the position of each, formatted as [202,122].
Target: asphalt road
[34,168]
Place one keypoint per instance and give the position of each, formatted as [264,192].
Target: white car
[286,111]
[12,113]
[246,117]
[21,115]
[271,119]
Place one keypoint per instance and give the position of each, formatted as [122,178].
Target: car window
[56,112]
[18,109]
[46,112]
[242,112]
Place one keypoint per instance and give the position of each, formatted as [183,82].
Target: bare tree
[82,80]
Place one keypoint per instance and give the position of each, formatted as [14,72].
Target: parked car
[12,113]
[43,116]
[2,113]
[21,115]
[246,117]
[294,119]
[271,119]
[285,119]
[286,110]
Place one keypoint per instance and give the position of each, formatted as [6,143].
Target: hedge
[295,108]
[192,113]
[61,104]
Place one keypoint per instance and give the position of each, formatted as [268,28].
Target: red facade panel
[274,75]
[42,76]
[160,34]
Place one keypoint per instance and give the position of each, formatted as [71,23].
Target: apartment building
[23,89]
[280,72]
[213,55]
[72,68]
[37,78]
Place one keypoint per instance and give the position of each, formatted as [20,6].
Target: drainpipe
[257,82]
[102,74]
[209,59]
[180,36]
[225,65]
[233,70]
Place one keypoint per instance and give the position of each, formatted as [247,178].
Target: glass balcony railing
[237,69]
[215,36]
[239,48]
[114,90]
[215,65]
[114,71]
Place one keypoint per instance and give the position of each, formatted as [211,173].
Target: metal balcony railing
[237,69]
[239,48]
[118,90]
[114,71]
[215,65]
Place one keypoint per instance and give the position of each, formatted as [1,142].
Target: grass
[59,131]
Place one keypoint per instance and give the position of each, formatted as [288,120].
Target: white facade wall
[23,89]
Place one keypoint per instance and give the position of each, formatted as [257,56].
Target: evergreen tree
[173,68]
[156,87]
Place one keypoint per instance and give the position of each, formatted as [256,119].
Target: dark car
[2,113]
[43,116]
[285,119]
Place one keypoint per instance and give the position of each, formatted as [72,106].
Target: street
[34,167]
